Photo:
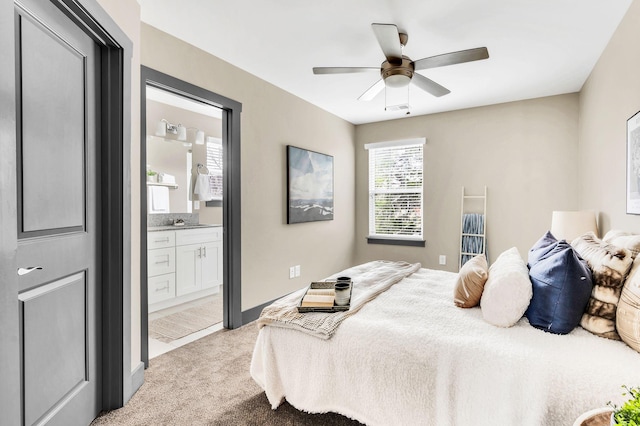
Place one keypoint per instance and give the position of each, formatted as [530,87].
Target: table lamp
[568,225]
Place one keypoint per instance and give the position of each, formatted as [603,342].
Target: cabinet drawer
[161,287]
[162,239]
[161,261]
[197,236]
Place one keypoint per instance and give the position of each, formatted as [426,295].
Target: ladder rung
[467,253]
[473,235]
[474,196]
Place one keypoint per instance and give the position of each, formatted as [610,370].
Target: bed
[411,357]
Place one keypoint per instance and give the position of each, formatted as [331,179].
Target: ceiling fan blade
[389,40]
[342,70]
[429,86]
[452,58]
[372,91]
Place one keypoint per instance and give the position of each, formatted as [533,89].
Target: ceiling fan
[399,70]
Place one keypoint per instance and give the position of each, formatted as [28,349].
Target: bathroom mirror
[184,155]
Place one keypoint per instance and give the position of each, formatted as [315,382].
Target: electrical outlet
[297,268]
[292,272]
[443,259]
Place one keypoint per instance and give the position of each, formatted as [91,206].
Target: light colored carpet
[183,323]
[207,382]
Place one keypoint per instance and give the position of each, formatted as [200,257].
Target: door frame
[115,204]
[231,218]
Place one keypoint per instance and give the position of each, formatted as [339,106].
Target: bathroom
[184,219]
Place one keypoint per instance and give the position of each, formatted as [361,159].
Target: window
[214,164]
[395,192]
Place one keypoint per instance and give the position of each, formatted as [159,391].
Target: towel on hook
[158,201]
[201,188]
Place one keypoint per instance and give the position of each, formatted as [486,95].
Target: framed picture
[633,164]
[309,185]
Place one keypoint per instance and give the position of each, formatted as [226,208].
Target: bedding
[628,313]
[609,265]
[562,286]
[471,280]
[508,290]
[411,357]
[373,278]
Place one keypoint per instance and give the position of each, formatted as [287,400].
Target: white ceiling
[536,47]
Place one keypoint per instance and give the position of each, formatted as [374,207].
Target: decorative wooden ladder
[465,203]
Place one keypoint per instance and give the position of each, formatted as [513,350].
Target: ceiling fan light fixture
[397,80]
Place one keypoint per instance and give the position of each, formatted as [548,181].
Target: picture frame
[633,164]
[309,186]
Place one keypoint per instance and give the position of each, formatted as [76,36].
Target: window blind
[395,191]
[214,164]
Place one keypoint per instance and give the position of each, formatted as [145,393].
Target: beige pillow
[623,239]
[609,265]
[471,279]
[628,314]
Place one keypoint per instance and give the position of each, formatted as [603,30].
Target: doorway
[184,219]
[190,213]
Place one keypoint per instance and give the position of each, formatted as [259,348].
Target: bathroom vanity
[183,263]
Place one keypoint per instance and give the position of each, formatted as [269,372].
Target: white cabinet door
[188,269]
[211,264]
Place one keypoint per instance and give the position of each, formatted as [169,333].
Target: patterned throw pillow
[628,314]
[624,239]
[609,265]
[471,279]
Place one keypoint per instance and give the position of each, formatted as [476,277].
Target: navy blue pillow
[562,286]
[541,248]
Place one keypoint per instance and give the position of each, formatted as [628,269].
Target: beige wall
[527,153]
[126,13]
[524,152]
[271,119]
[609,97]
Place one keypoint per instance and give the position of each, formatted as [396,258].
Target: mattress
[410,356]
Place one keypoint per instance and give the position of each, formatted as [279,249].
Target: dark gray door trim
[232,315]
[116,52]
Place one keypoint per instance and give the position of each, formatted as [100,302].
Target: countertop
[178,228]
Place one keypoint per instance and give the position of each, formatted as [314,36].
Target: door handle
[25,271]
[199,252]
[205,250]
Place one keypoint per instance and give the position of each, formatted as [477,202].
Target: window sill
[395,241]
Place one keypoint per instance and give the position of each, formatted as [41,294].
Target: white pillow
[508,290]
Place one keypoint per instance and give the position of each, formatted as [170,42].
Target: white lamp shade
[161,129]
[182,133]
[569,225]
[200,137]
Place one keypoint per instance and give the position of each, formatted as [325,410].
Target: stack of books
[318,298]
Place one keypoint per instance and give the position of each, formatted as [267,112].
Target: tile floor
[157,347]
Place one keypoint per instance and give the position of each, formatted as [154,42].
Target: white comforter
[410,357]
